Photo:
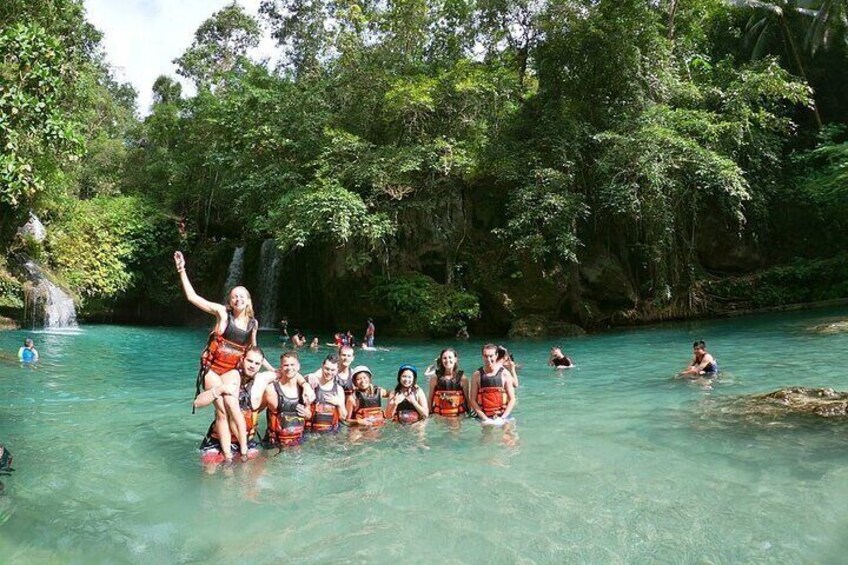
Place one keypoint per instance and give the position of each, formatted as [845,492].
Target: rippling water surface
[613,461]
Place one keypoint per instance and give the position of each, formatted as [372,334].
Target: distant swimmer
[370,330]
[408,403]
[314,345]
[234,332]
[702,364]
[28,353]
[449,387]
[284,331]
[492,391]
[559,359]
[298,340]
[365,405]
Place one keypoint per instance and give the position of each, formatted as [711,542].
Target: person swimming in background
[314,345]
[298,340]
[28,353]
[703,364]
[559,359]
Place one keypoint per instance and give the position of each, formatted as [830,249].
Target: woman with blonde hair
[234,332]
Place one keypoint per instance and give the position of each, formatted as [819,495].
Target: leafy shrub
[799,282]
[425,306]
[103,246]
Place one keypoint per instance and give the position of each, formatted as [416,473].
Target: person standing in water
[364,406]
[408,403]
[288,404]
[492,392]
[234,332]
[329,409]
[368,341]
[284,331]
[248,370]
[448,385]
[28,353]
[703,364]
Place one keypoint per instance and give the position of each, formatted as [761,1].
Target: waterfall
[236,270]
[50,304]
[269,275]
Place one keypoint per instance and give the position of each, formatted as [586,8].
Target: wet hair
[414,371]
[488,346]
[248,307]
[440,369]
[255,349]
[332,358]
[28,342]
[343,347]
[502,353]
[292,354]
[699,344]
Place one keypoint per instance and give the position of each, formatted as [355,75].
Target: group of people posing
[232,379]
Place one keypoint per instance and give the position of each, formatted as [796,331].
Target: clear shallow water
[613,461]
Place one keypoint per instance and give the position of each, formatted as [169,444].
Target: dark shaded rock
[822,402]
[7,324]
[541,326]
[609,284]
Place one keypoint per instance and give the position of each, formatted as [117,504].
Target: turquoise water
[610,462]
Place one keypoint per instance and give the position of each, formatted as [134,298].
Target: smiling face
[362,380]
[448,360]
[289,366]
[239,300]
[406,378]
[329,370]
[252,362]
[345,358]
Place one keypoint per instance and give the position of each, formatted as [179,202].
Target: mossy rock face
[831,328]
[822,402]
[541,326]
[8,324]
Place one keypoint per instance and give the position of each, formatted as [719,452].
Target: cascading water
[269,276]
[236,271]
[50,304]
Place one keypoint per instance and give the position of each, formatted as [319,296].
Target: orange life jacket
[448,397]
[224,351]
[491,394]
[368,407]
[285,426]
[251,420]
[325,417]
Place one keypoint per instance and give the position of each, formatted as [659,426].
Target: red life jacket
[325,417]
[448,397]
[491,394]
[285,426]
[368,407]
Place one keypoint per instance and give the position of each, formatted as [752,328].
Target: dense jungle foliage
[440,163]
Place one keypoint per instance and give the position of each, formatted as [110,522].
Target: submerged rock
[822,402]
[831,328]
[8,323]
